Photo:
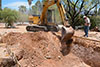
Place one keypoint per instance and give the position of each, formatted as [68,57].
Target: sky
[14,4]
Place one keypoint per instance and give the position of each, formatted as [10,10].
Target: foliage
[29,2]
[34,10]
[22,17]
[37,8]
[9,16]
[22,8]
[95,21]
[75,8]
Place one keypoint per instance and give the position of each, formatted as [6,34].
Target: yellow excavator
[43,24]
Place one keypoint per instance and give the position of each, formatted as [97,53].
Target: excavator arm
[46,5]
[62,12]
[61,9]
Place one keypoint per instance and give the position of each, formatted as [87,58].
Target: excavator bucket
[67,33]
[66,39]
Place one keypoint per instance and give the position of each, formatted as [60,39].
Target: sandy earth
[42,49]
[92,34]
[4,30]
[39,50]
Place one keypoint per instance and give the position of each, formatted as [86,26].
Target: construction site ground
[19,48]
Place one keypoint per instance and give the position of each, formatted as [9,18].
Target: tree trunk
[0,4]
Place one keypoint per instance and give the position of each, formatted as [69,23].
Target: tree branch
[80,9]
[75,7]
[71,2]
[76,2]
[69,8]
[91,8]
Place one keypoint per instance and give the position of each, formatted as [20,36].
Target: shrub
[9,16]
[95,21]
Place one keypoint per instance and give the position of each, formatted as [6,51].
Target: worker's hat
[84,16]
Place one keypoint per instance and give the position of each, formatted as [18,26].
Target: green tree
[34,9]
[22,8]
[0,16]
[22,17]
[75,8]
[94,2]
[29,2]
[9,16]
[39,5]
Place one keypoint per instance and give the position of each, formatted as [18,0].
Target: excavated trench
[43,49]
[88,50]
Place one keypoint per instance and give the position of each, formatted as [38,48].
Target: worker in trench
[66,38]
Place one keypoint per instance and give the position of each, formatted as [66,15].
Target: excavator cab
[34,19]
[49,16]
[49,20]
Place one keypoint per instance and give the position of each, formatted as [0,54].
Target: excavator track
[36,28]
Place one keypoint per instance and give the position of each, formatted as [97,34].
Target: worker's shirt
[87,21]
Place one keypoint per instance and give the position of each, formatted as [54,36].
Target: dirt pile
[35,46]
[40,49]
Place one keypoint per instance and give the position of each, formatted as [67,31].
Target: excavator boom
[49,3]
